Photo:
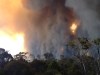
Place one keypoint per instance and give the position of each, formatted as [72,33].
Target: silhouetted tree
[38,66]
[21,56]
[48,56]
[52,72]
[54,65]
[17,67]
[97,46]
[90,65]
[2,72]
[85,45]
[79,64]
[80,46]
[4,57]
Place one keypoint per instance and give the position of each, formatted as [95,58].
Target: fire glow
[74,27]
[13,42]
[10,39]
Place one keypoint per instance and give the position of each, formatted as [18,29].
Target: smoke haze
[89,16]
[46,23]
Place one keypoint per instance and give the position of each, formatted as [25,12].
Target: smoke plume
[87,12]
[45,24]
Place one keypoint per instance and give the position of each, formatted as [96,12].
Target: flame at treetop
[74,27]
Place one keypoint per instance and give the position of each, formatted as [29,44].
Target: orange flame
[10,39]
[13,42]
[74,27]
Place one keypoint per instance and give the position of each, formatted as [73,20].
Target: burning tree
[80,46]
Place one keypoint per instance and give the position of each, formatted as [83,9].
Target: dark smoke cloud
[46,25]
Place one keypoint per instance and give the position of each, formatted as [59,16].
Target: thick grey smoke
[88,14]
[46,25]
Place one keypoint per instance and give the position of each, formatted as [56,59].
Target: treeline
[79,64]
